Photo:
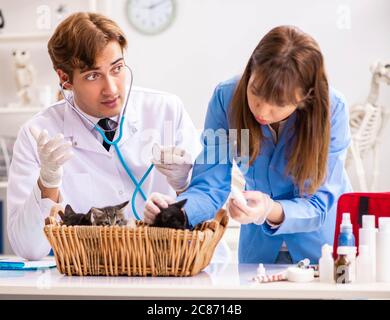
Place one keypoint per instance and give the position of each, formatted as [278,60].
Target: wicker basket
[139,251]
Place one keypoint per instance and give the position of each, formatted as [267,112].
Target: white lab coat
[93,176]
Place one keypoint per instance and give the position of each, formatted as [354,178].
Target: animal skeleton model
[367,122]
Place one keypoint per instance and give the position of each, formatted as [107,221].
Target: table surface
[217,281]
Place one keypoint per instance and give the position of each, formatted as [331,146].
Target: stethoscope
[138,185]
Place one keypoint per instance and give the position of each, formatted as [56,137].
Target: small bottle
[364,265]
[261,270]
[342,266]
[346,237]
[351,255]
[382,250]
[326,264]
[367,237]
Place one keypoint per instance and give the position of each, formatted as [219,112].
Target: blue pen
[11,265]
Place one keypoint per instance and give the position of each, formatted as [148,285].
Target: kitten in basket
[106,216]
[172,217]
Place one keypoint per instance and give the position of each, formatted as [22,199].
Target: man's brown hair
[80,38]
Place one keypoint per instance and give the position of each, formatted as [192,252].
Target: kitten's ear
[68,210]
[122,205]
[89,216]
[61,214]
[180,204]
[96,212]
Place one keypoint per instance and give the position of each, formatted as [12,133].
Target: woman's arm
[211,176]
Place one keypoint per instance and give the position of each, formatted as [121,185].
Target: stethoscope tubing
[138,185]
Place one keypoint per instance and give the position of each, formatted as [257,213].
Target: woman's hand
[259,207]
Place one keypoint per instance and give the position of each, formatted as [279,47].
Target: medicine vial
[383,250]
[326,264]
[342,266]
[367,237]
[364,265]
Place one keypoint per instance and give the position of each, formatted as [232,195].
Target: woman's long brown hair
[288,63]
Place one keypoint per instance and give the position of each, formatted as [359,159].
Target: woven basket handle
[222,217]
[52,218]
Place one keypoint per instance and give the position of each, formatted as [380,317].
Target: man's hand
[53,153]
[175,163]
[153,204]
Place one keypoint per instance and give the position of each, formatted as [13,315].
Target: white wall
[211,40]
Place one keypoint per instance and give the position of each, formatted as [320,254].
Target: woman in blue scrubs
[291,132]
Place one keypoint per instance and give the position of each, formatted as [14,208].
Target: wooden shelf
[33,36]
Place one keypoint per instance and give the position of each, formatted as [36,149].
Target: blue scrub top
[309,222]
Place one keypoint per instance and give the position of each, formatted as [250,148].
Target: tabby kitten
[172,217]
[107,216]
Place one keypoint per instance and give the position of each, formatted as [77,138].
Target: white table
[218,281]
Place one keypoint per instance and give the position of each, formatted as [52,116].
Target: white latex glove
[175,163]
[53,153]
[153,204]
[258,207]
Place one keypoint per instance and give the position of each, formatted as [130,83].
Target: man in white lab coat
[60,158]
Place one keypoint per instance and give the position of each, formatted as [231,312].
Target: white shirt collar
[93,119]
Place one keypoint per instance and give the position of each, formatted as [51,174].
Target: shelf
[33,36]
[6,111]
[12,119]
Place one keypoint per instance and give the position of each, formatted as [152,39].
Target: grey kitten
[107,216]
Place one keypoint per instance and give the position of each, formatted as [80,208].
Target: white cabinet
[4,240]
[11,119]
[22,33]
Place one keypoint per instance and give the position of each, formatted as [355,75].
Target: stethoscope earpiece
[65,85]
